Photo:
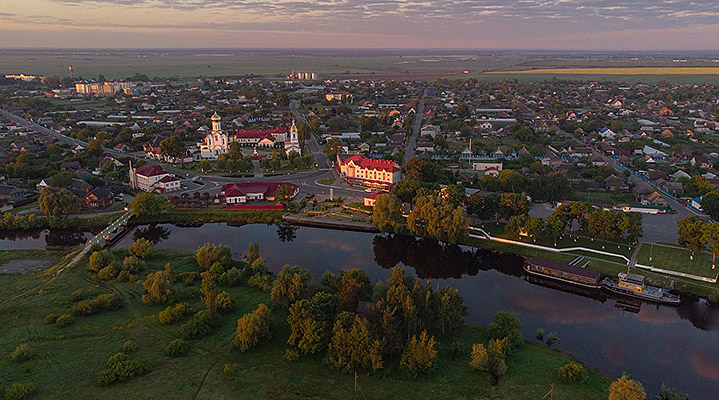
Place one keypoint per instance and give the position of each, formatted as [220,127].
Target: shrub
[122,367]
[109,272]
[129,346]
[77,295]
[233,277]
[50,319]
[65,320]
[142,248]
[261,281]
[194,329]
[20,391]
[253,328]
[457,350]
[667,393]
[291,354]
[99,260]
[125,276]
[506,324]
[290,285]
[159,287]
[207,255]
[173,314]
[552,338]
[21,353]
[103,302]
[223,302]
[188,277]
[132,264]
[209,317]
[572,373]
[176,348]
[418,358]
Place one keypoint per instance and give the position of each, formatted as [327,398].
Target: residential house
[240,193]
[153,179]
[360,170]
[10,192]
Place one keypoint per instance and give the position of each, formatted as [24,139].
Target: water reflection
[42,238]
[65,237]
[153,233]
[286,232]
[433,259]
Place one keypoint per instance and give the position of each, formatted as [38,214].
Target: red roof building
[238,193]
[360,170]
[261,137]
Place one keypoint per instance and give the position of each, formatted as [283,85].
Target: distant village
[474,131]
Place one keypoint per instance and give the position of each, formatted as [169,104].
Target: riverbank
[214,369]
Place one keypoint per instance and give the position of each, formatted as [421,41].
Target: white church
[216,142]
[294,143]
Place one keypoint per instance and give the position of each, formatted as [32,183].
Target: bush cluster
[261,282]
[200,325]
[103,302]
[572,373]
[176,348]
[65,320]
[20,391]
[121,367]
[21,353]
[173,314]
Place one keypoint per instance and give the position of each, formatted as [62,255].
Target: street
[317,151]
[409,150]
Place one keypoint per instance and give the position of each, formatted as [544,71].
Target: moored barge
[562,272]
[633,285]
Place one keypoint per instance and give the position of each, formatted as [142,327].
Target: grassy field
[65,361]
[604,198]
[676,259]
[213,214]
[326,181]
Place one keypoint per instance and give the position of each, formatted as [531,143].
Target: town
[589,179]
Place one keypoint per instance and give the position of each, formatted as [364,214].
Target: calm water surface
[655,344]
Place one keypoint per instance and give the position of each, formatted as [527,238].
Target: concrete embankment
[329,224]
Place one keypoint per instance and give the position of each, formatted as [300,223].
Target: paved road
[409,151]
[317,151]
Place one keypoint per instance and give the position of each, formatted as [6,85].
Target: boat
[562,272]
[633,285]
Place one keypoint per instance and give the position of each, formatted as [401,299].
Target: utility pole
[355,385]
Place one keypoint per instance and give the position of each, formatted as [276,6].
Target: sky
[387,24]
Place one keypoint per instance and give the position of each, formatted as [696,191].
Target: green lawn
[676,259]
[212,214]
[327,181]
[604,198]
[66,360]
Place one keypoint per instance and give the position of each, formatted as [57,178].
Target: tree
[533,227]
[352,346]
[159,287]
[667,393]
[450,311]
[514,226]
[418,358]
[710,235]
[554,226]
[209,255]
[387,213]
[147,204]
[253,328]
[512,181]
[710,204]
[62,179]
[352,287]
[601,223]
[282,99]
[572,372]
[691,230]
[421,170]
[491,359]
[284,193]
[462,110]
[142,248]
[626,389]
[407,189]
[332,148]
[57,201]
[577,211]
[311,322]
[290,285]
[512,204]
[434,216]
[172,147]
[506,324]
[253,253]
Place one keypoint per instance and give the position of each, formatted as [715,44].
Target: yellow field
[619,71]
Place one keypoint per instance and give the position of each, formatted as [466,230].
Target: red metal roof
[368,163]
[147,170]
[259,133]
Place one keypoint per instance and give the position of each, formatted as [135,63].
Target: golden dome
[216,117]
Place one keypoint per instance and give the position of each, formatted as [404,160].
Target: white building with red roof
[215,142]
[261,137]
[240,193]
[153,179]
[360,170]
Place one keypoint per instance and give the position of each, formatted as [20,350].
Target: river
[655,344]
